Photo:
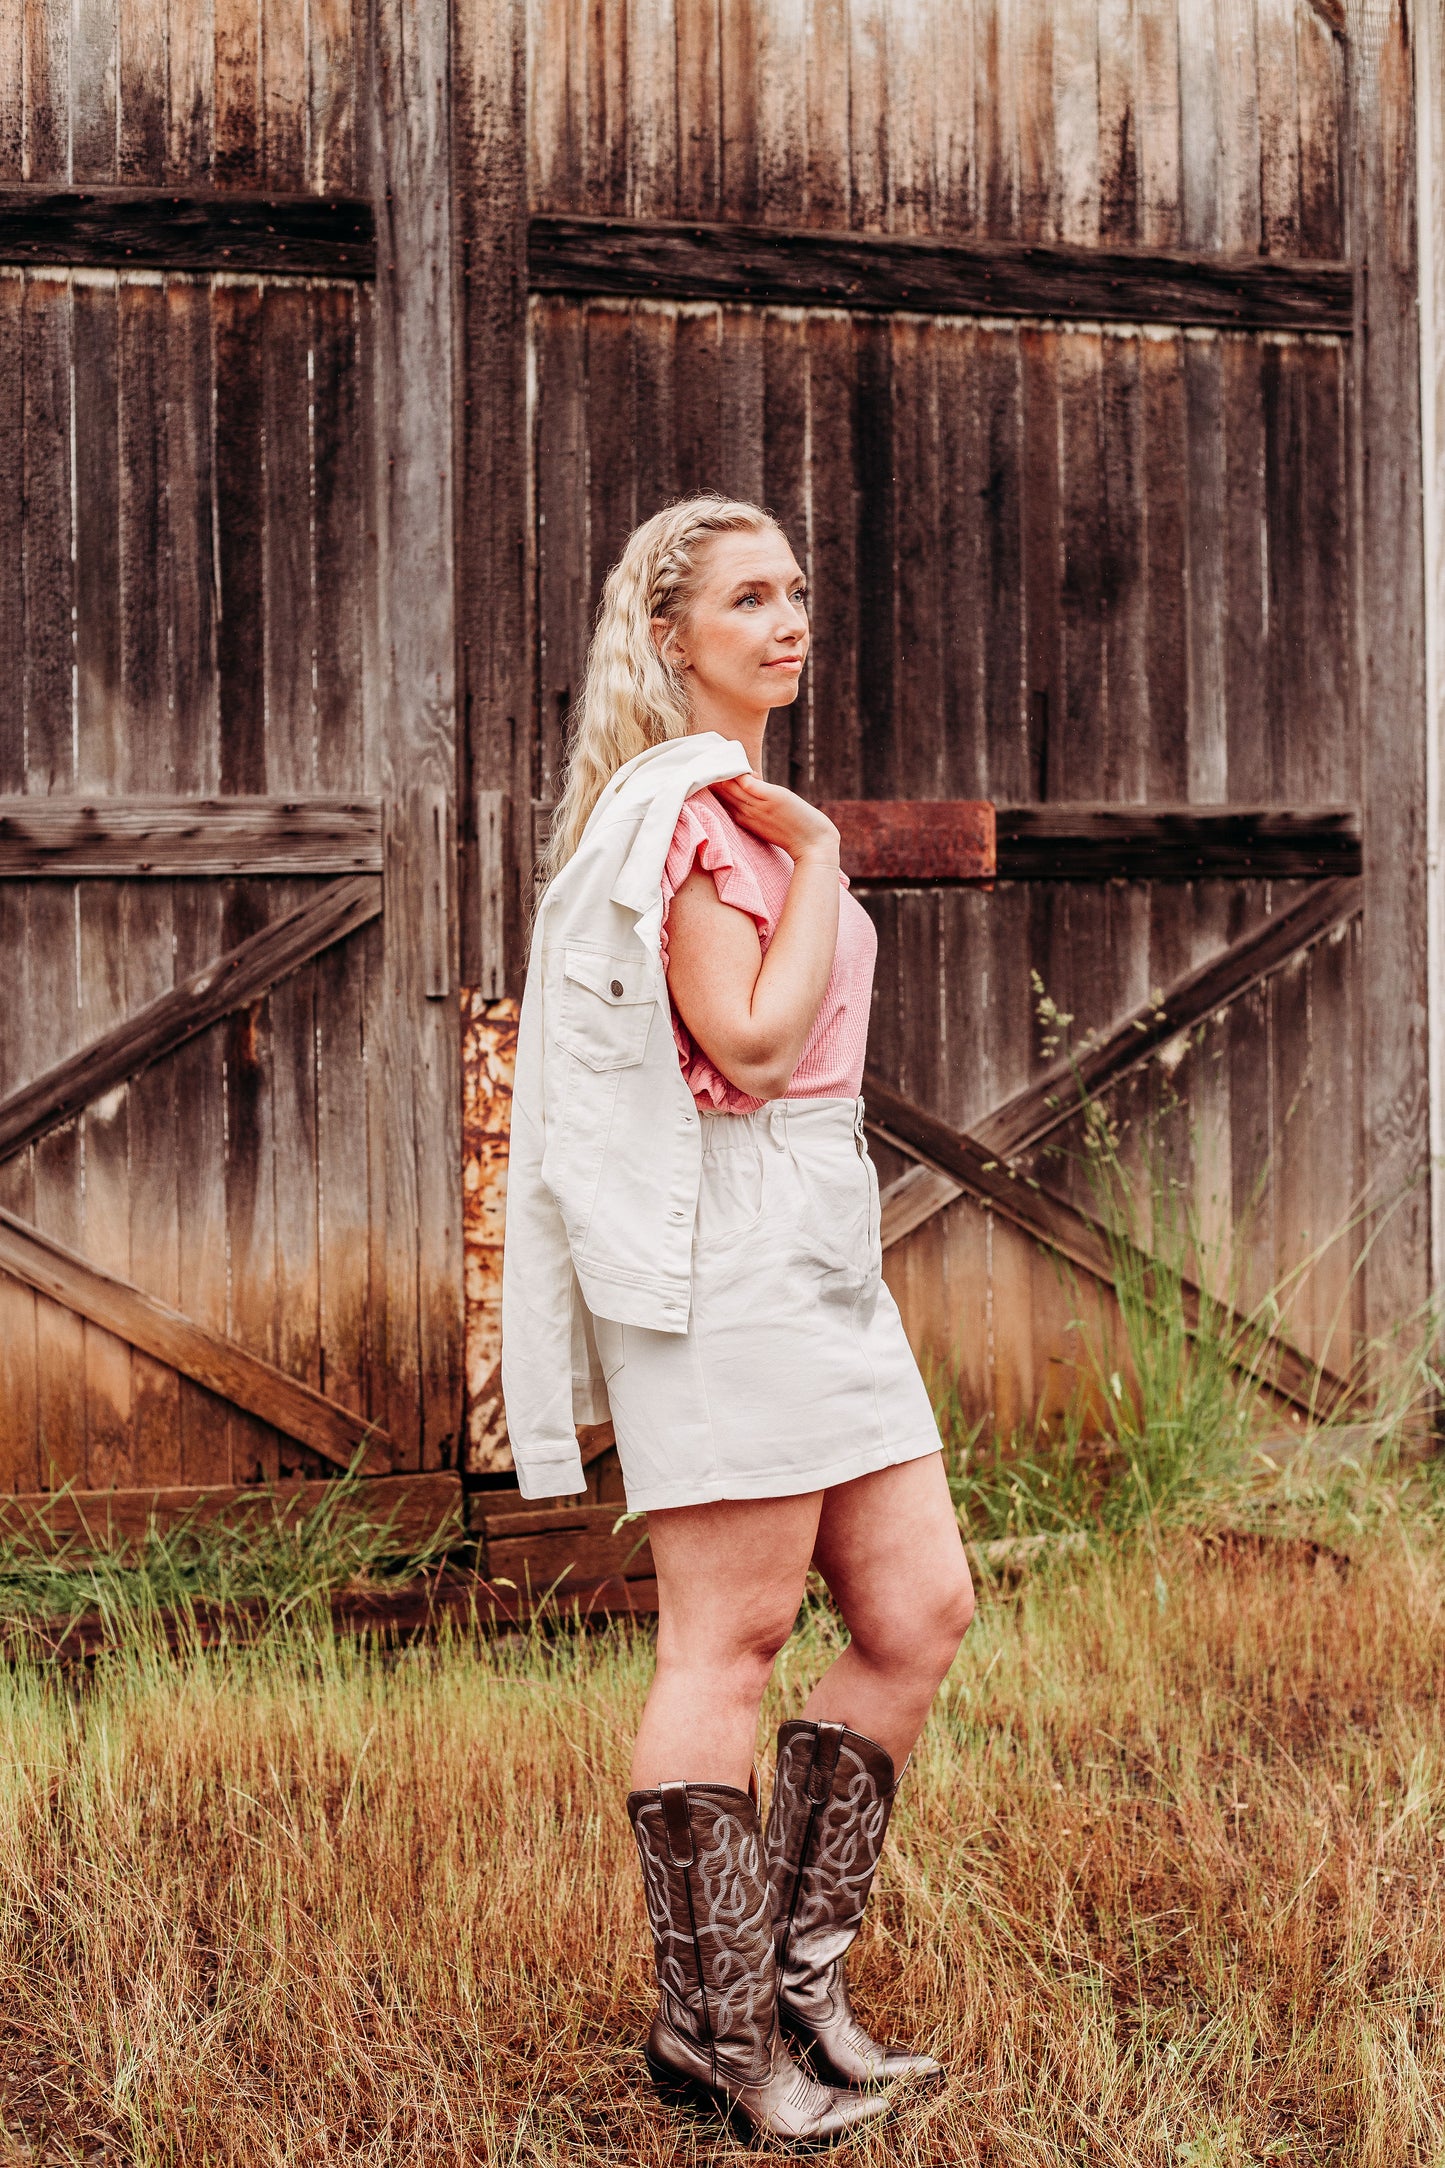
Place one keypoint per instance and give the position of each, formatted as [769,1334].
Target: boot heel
[678,2087]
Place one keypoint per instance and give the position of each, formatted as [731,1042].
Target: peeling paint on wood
[489,1056]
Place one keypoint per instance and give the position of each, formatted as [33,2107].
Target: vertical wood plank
[46,82]
[996,103]
[1124,582]
[1320,72]
[147,929]
[877,551]
[1029,136]
[1076,118]
[827,173]
[52,1008]
[1159,126]
[562,582]
[654,376]
[954,150]
[196,747]
[1207,422]
[12,90]
[699,108]
[834,765]
[1238,126]
[250,1183]
[197,1070]
[612,431]
[1081,738]
[738,34]
[914,94]
[697,398]
[240,483]
[238,146]
[652,95]
[965,486]
[781,80]
[19,1436]
[1120,121]
[740,405]
[330,95]
[143,69]
[912,756]
[293,608]
[868,128]
[105,1126]
[1390,643]
[1042,563]
[1199,125]
[93,86]
[785,492]
[494,551]
[1279,136]
[416,581]
[286,93]
[191,58]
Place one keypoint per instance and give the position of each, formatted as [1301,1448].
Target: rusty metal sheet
[489,1056]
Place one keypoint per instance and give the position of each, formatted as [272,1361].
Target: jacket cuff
[560,1478]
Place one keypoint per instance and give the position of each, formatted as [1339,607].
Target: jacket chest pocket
[605,1008]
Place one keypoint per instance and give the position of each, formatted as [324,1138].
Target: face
[744,640]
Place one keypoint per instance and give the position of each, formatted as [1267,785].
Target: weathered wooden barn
[1090,352]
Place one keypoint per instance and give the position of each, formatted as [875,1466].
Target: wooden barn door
[1072,345]
[229,1242]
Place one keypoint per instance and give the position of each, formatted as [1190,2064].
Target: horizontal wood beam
[1051,1099]
[206,1357]
[1026,1204]
[915,840]
[417,1508]
[1176,842]
[164,229]
[659,260]
[228,983]
[183,838]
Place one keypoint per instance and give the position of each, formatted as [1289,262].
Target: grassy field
[1167,1882]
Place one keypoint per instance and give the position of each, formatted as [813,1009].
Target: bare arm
[750,1013]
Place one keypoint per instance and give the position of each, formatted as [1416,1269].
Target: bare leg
[889,1549]
[730,1577]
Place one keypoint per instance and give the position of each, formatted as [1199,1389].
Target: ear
[665,640]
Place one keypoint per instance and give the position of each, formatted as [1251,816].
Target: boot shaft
[707,1904]
[832,1800]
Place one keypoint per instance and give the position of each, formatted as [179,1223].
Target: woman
[787,1424]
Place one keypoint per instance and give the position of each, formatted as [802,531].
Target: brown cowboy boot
[716,2033]
[831,1802]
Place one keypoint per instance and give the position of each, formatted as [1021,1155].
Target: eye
[751,595]
[800,595]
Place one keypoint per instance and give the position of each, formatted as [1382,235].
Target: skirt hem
[784,1483]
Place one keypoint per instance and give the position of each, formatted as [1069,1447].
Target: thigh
[890,1550]
[730,1573]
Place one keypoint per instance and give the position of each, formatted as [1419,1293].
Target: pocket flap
[619,980]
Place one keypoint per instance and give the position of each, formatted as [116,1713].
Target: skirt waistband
[775,1115]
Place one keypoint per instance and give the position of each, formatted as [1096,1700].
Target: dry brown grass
[1165,1886]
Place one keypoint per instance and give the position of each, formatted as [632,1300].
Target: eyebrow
[761,580]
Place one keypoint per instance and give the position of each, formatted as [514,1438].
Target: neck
[746,725]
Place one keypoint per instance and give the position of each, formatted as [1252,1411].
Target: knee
[924,1643]
[946,1617]
[739,1655]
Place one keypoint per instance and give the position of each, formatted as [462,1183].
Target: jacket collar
[665,775]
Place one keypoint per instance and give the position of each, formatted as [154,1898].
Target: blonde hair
[632,695]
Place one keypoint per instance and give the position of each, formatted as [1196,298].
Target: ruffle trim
[736,884]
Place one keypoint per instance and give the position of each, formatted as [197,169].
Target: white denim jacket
[606,1145]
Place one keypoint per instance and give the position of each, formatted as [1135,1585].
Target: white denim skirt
[794,1372]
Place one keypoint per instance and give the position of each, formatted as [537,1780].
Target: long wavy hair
[633,695]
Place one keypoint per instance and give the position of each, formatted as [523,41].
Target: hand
[780,816]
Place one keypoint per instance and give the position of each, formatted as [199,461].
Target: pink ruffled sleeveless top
[753,876]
